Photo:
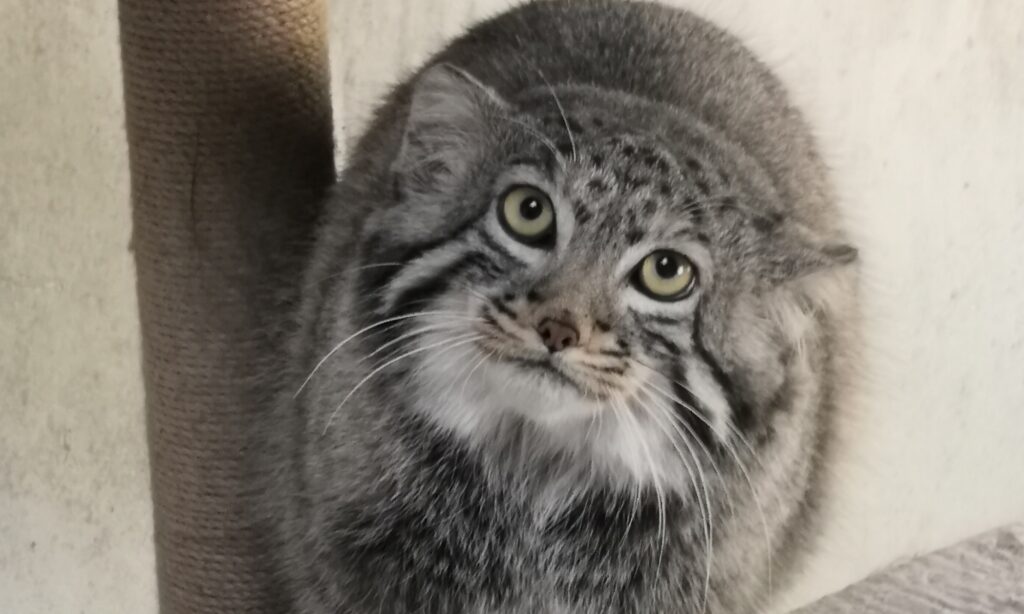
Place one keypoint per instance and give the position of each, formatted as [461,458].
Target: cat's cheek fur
[455,389]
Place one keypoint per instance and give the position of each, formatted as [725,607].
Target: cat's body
[459,460]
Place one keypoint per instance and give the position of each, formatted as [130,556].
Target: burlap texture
[230,144]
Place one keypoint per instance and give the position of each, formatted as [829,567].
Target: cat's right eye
[527,215]
[666,275]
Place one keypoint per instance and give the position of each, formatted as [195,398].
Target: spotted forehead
[625,183]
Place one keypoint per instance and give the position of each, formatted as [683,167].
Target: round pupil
[666,267]
[530,208]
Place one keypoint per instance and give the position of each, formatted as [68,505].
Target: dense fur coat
[492,403]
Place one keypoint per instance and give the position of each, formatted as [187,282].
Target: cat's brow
[527,161]
[686,232]
[544,162]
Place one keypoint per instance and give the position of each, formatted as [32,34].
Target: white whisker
[420,331]
[454,342]
[561,111]
[539,136]
[740,465]
[655,478]
[365,330]
[700,485]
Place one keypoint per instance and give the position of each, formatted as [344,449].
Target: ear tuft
[447,128]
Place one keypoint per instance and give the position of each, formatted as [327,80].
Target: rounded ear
[781,249]
[448,126]
[794,251]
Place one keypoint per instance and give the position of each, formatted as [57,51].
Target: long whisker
[465,382]
[363,331]
[696,202]
[561,111]
[440,326]
[545,141]
[646,388]
[635,500]
[453,342]
[706,512]
[728,424]
[740,465]
[655,477]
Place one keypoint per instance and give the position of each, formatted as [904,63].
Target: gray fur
[392,487]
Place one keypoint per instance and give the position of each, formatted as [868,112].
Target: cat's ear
[783,249]
[795,251]
[449,125]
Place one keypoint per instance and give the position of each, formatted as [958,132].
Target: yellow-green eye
[526,213]
[666,276]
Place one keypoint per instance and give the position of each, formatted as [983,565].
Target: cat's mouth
[593,377]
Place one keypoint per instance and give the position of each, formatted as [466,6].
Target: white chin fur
[473,395]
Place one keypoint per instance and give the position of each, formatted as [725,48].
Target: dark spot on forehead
[564,147]
[631,217]
[597,122]
[665,189]
[650,207]
[628,151]
[634,235]
[655,161]
[633,182]
[597,185]
[693,164]
[582,216]
[703,187]
[597,160]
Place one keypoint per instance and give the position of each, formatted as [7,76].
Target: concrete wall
[920,108]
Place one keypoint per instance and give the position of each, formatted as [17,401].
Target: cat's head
[604,275]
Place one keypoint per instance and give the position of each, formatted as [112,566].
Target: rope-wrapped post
[231,149]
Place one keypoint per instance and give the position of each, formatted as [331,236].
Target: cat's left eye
[666,275]
[526,213]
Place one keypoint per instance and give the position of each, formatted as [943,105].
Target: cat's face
[565,275]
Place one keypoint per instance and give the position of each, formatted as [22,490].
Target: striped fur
[429,453]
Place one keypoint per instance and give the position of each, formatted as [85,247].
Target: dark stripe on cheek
[743,413]
[426,290]
[497,248]
[664,320]
[376,278]
[371,281]
[699,424]
[503,308]
[658,339]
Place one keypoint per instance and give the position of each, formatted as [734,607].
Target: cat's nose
[558,336]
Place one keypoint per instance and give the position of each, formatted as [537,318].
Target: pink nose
[558,336]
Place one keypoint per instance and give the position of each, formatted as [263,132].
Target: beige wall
[75,527]
[920,105]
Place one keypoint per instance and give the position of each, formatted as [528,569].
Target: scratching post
[230,145]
